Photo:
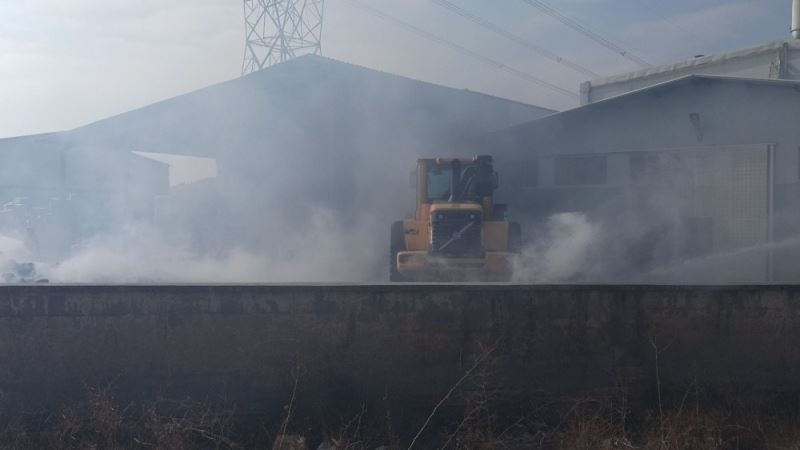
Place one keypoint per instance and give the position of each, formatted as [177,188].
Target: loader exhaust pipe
[455,182]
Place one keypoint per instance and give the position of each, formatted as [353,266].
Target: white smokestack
[796,19]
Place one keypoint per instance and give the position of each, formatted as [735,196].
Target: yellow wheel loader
[458,233]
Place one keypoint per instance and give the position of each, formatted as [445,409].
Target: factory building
[692,170]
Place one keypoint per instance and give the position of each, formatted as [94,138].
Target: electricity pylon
[279,30]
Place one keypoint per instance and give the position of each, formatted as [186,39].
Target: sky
[66,63]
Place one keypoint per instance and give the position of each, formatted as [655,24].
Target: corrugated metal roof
[670,84]
[698,63]
[309,92]
[774,60]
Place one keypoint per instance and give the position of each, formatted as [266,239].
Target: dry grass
[470,415]
[589,424]
[698,429]
[100,422]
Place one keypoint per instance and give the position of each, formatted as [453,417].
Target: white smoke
[11,248]
[326,251]
[15,265]
[562,252]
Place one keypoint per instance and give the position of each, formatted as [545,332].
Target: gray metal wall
[694,115]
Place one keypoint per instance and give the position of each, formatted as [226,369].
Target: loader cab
[455,181]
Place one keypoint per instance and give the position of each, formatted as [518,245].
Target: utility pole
[279,30]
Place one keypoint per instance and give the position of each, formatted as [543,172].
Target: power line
[650,6]
[584,30]
[461,49]
[514,38]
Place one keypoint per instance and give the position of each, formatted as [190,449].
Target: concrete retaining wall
[248,344]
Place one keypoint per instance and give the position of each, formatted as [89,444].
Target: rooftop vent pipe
[796,19]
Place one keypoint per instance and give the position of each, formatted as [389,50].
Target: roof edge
[651,72]
[309,57]
[417,80]
[675,81]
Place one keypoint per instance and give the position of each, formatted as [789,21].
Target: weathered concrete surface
[248,344]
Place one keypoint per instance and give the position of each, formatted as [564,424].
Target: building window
[798,162]
[531,176]
[581,170]
[644,167]
[521,173]
[528,172]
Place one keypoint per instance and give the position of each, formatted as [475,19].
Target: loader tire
[397,244]
[514,237]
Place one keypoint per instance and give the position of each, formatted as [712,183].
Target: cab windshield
[439,183]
